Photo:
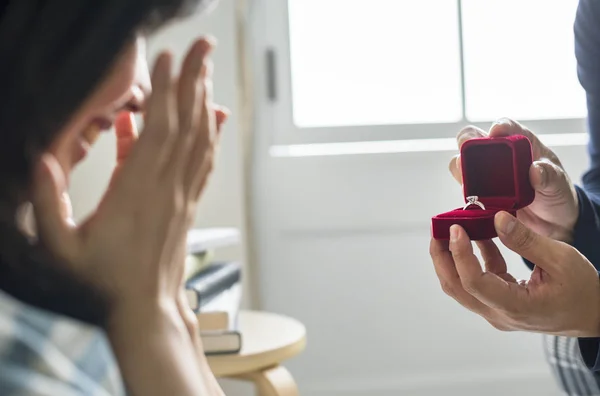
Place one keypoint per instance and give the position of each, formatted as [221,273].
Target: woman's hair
[53,54]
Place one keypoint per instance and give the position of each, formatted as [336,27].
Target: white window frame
[272,71]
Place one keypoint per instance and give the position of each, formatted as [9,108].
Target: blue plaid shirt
[42,353]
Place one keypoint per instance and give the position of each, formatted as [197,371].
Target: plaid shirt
[572,375]
[42,353]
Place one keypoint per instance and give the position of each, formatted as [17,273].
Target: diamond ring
[473,200]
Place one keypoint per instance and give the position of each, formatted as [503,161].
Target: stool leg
[274,381]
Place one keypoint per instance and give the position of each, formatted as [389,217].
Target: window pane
[520,61]
[358,62]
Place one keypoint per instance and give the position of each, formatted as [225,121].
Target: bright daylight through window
[400,61]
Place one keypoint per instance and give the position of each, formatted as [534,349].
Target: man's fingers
[549,179]
[455,168]
[509,127]
[48,186]
[538,249]
[450,281]
[127,134]
[468,133]
[492,258]
[487,287]
[505,127]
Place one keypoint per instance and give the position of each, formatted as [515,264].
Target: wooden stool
[267,340]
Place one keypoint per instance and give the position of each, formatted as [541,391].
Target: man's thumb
[548,179]
[521,240]
[48,186]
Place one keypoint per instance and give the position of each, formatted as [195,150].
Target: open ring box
[496,170]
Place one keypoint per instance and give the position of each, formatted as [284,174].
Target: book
[228,300]
[221,313]
[221,342]
[213,321]
[201,240]
[196,262]
[220,333]
[210,282]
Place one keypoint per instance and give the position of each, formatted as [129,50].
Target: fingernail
[542,172]
[222,117]
[221,107]
[506,223]
[204,46]
[211,41]
[454,233]
[500,127]
[501,121]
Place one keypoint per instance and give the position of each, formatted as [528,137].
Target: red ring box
[497,171]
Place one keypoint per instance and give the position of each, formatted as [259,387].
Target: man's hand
[555,211]
[562,297]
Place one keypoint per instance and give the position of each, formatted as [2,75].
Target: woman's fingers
[127,134]
[191,140]
[201,161]
[49,185]
[154,148]
[188,103]
[222,114]
[190,107]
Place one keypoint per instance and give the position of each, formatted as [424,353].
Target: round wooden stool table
[267,340]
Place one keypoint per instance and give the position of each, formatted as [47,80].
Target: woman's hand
[562,297]
[555,211]
[130,248]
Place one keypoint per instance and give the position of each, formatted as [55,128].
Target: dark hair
[53,54]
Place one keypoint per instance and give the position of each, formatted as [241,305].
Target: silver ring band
[473,200]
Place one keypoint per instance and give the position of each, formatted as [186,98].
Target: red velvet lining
[497,171]
[488,171]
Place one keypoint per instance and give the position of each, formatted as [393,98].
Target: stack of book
[214,289]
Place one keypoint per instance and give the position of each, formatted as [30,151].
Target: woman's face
[126,87]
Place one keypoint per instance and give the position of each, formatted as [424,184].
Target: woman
[75,301]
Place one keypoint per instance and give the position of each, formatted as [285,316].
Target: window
[374,62]
[519,59]
[334,71]
[390,62]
